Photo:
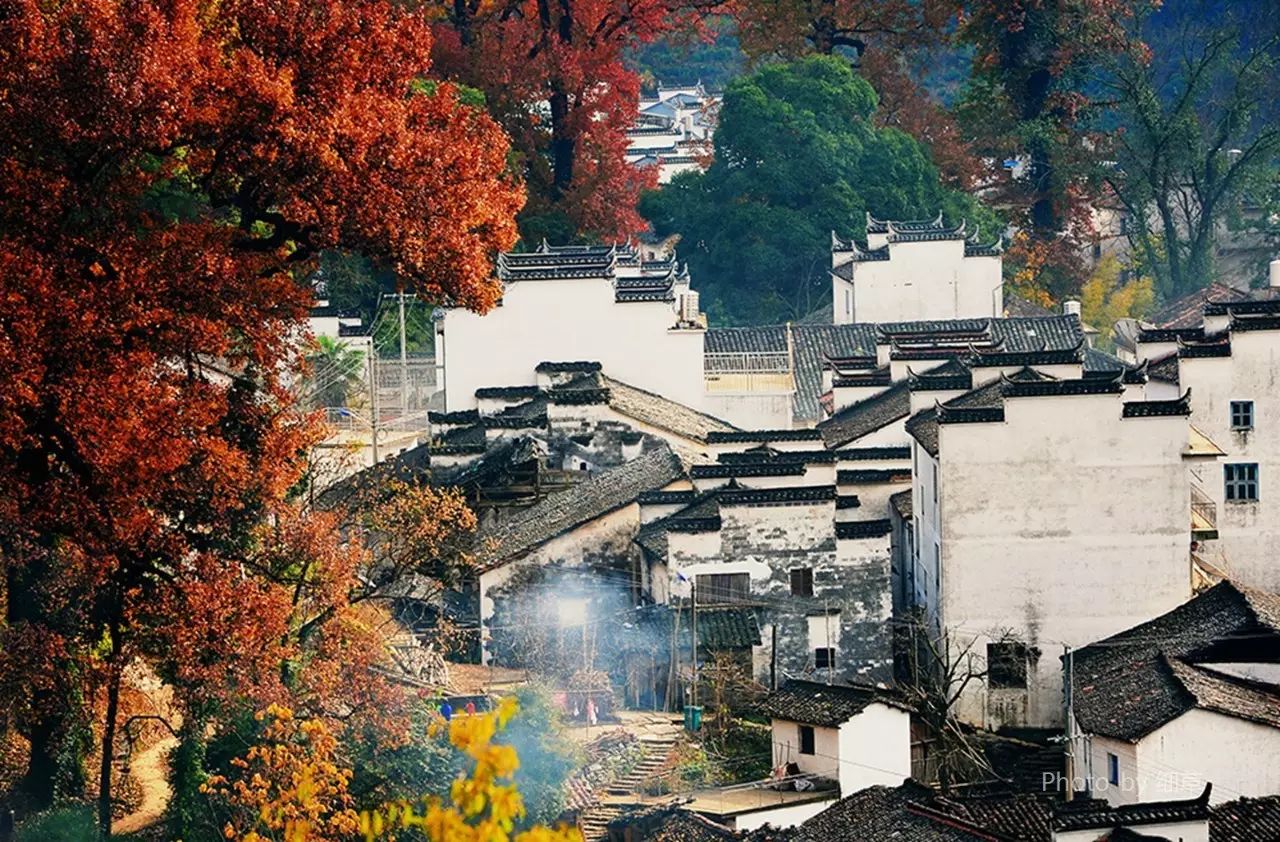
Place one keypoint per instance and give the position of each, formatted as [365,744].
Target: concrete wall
[787,815]
[1059,526]
[1248,532]
[563,320]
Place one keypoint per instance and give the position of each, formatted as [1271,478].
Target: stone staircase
[623,794]
[656,751]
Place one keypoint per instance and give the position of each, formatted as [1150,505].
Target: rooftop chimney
[1071,308]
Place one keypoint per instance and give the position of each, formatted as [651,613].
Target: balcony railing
[748,372]
[1204,512]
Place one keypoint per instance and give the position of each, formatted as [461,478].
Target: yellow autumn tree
[292,788]
[1104,300]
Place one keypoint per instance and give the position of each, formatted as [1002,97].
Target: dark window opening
[1241,481]
[824,658]
[1007,665]
[717,588]
[1113,769]
[806,740]
[802,581]
[1242,415]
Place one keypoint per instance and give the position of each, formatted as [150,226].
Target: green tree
[335,372]
[1198,131]
[797,155]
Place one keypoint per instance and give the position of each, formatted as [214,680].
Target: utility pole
[693,590]
[373,400]
[1068,689]
[826,622]
[404,367]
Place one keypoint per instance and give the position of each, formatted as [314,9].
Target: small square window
[1113,769]
[1242,415]
[1007,665]
[802,581]
[824,658]
[1241,480]
[806,740]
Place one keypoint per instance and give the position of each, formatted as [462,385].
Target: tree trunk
[563,143]
[109,739]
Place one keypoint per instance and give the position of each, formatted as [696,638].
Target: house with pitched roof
[637,317]
[1189,698]
[915,271]
[1047,511]
[1229,364]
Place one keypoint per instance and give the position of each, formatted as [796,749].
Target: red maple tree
[552,72]
[169,172]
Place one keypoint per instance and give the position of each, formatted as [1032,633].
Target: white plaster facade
[873,748]
[1248,544]
[643,343]
[1059,525]
[1175,761]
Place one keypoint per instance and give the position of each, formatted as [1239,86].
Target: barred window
[1242,415]
[1241,481]
[802,581]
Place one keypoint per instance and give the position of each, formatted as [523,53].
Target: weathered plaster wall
[1060,526]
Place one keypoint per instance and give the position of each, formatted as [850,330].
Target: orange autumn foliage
[169,173]
[291,786]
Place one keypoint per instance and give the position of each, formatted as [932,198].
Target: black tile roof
[1062,356]
[901,503]
[464,416]
[898,234]
[1245,820]
[827,705]
[462,440]
[539,265]
[582,502]
[1250,323]
[881,226]
[1242,308]
[864,417]
[727,628]
[872,454]
[721,470]
[811,345]
[853,530]
[756,455]
[663,413]
[1170,334]
[667,498]
[1158,409]
[879,377]
[848,501]
[899,814]
[1125,686]
[1061,388]
[576,367]
[737,436]
[950,376]
[872,475]
[1215,347]
[1096,814]
[777,496]
[670,823]
[508,392]
[1164,369]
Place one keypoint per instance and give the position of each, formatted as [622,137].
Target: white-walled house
[1189,698]
[637,318]
[1089,820]
[912,271]
[1046,513]
[855,735]
[1231,365]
